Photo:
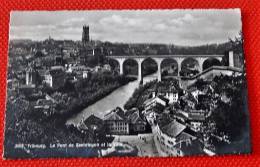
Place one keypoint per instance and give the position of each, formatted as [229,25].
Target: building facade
[137,124]
[174,139]
[117,122]
[55,78]
[31,76]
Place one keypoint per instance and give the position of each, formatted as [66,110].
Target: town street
[161,153]
[144,143]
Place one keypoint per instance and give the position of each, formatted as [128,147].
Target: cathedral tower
[85,34]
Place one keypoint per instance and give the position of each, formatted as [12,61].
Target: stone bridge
[200,59]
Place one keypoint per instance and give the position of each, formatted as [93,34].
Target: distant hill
[164,49]
[109,48]
[16,41]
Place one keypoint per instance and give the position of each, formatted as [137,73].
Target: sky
[179,27]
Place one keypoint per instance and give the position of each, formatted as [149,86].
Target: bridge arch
[210,62]
[115,64]
[130,67]
[149,65]
[190,66]
[169,67]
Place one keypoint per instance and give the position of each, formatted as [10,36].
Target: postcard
[126,83]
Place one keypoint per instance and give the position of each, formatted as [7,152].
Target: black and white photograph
[126,83]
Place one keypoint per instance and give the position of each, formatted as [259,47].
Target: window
[170,142]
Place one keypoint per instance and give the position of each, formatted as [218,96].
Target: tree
[237,44]
[237,47]
[231,118]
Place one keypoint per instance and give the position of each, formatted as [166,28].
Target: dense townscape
[190,110]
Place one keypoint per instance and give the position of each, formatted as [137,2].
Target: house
[171,93]
[181,117]
[189,72]
[97,68]
[164,119]
[20,74]
[107,67]
[48,62]
[77,69]
[156,100]
[151,113]
[41,73]
[85,74]
[13,83]
[117,122]
[196,93]
[93,127]
[131,111]
[153,108]
[189,148]
[45,106]
[9,83]
[58,68]
[55,78]
[176,106]
[188,100]
[137,124]
[196,120]
[173,136]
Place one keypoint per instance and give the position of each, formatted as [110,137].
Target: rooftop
[184,136]
[135,118]
[92,120]
[194,147]
[91,123]
[116,115]
[173,129]
[54,72]
[196,116]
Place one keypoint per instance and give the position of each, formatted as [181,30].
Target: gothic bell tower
[85,35]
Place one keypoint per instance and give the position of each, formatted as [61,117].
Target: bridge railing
[235,69]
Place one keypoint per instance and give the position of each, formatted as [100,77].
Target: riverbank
[116,99]
[84,102]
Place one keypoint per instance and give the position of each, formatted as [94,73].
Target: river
[116,99]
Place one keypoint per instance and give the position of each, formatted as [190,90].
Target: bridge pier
[140,77]
[121,63]
[159,61]
[179,62]
[159,73]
